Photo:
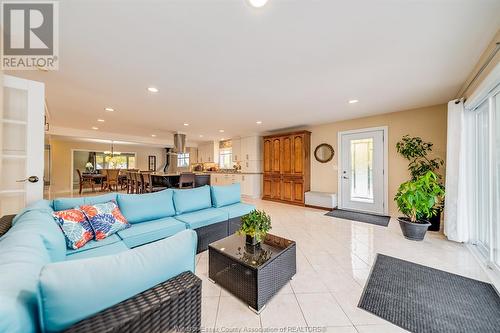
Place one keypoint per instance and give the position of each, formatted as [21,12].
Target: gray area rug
[421,299]
[360,217]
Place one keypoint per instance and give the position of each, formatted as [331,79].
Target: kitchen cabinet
[251,148]
[248,151]
[286,167]
[208,152]
[236,149]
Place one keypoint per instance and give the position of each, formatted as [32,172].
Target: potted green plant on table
[255,226]
[418,152]
[416,199]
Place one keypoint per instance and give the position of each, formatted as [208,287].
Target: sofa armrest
[172,305]
[5,223]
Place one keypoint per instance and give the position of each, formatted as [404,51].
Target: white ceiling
[221,64]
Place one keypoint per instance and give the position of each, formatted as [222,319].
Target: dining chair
[186,180]
[148,184]
[112,179]
[137,177]
[84,181]
[130,183]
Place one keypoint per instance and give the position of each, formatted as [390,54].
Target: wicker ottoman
[253,275]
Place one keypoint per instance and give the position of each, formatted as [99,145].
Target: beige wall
[428,123]
[61,159]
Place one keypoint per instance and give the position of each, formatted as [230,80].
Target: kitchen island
[171,180]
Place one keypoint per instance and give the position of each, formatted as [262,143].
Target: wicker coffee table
[254,275]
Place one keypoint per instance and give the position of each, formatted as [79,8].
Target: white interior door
[21,143]
[362,180]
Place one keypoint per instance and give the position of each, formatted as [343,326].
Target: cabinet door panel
[268,155]
[267,188]
[286,155]
[287,190]
[298,191]
[276,155]
[276,188]
[298,154]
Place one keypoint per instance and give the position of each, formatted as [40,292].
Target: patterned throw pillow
[105,219]
[75,227]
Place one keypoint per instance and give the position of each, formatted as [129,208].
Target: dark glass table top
[235,247]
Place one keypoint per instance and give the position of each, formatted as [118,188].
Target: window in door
[482,174]
[362,170]
[183,160]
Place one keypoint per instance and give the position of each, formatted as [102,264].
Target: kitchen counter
[230,173]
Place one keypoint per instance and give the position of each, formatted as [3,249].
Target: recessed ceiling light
[153,135]
[221,131]
[153,89]
[258,122]
[221,139]
[201,135]
[257,3]
[109,109]
[353,101]
[95,128]
[100,120]
[186,124]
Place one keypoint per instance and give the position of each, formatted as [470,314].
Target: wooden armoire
[287,169]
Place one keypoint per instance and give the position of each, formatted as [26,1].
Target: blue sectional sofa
[45,287]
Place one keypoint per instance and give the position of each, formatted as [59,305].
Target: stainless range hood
[179,148]
[179,143]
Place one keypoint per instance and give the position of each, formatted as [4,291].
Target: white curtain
[459,172]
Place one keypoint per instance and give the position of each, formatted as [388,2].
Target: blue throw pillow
[105,219]
[190,200]
[226,195]
[146,207]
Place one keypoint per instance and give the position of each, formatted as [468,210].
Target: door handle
[31,179]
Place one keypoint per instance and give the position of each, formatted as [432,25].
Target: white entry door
[21,143]
[362,181]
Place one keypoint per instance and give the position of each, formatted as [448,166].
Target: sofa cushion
[37,219]
[105,219]
[237,209]
[190,200]
[147,232]
[98,199]
[75,227]
[146,207]
[74,290]
[67,203]
[95,244]
[225,195]
[106,250]
[22,256]
[203,217]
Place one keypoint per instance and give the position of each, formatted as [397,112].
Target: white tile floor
[333,262]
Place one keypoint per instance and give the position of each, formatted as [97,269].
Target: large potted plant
[416,199]
[255,226]
[418,152]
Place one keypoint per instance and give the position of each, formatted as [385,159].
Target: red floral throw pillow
[75,227]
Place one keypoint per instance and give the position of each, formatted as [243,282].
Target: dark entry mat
[421,299]
[360,217]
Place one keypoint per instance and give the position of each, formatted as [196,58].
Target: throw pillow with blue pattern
[75,227]
[105,219]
